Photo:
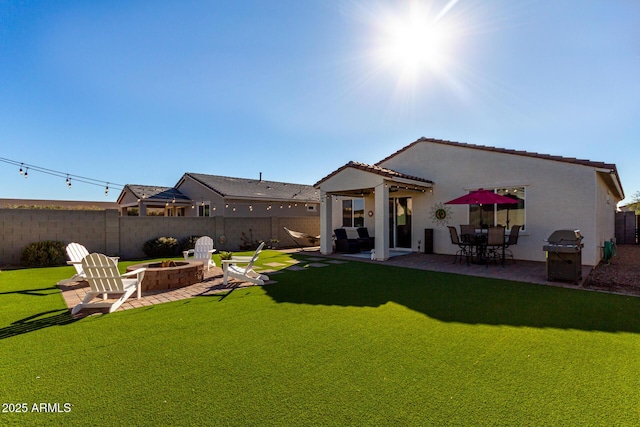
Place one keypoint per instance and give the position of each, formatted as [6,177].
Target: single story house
[205,195]
[401,196]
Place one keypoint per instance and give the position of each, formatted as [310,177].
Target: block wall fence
[107,232]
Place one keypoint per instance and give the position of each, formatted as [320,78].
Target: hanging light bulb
[26,172]
[68,182]
[21,171]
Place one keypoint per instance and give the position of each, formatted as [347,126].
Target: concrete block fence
[107,232]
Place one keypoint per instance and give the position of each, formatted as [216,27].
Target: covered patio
[378,187]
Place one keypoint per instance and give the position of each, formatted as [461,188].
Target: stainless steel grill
[564,255]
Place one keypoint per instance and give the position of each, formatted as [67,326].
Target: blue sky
[140,92]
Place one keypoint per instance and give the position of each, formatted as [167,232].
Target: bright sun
[415,42]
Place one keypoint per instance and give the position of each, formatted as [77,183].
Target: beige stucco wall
[558,195]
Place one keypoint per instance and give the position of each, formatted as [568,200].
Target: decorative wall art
[440,214]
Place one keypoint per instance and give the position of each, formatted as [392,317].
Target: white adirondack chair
[202,252]
[76,252]
[246,273]
[104,278]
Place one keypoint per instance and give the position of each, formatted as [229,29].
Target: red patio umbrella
[483,197]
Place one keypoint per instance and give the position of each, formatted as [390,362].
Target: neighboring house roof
[609,167]
[388,173]
[255,189]
[154,193]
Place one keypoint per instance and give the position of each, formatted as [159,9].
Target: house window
[353,213]
[507,215]
[204,209]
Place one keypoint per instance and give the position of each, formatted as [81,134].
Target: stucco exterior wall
[558,195]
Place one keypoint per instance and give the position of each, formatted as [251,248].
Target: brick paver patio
[522,271]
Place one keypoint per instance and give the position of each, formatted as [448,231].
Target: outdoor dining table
[478,242]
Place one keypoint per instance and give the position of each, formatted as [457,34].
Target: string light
[24,171]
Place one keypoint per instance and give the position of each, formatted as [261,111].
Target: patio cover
[357,180]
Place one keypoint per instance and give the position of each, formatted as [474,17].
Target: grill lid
[565,237]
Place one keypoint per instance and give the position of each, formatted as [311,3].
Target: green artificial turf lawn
[346,344]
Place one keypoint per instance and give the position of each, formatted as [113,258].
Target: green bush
[161,247]
[188,243]
[47,253]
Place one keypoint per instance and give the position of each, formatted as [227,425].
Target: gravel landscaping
[622,275]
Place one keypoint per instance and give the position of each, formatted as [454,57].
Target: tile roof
[153,192]
[256,188]
[378,170]
[572,160]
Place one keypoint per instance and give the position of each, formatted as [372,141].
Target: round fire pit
[174,274]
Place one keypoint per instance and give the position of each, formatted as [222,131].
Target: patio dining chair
[496,243]
[511,241]
[466,230]
[465,249]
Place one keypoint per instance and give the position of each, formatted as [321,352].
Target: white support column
[326,224]
[382,222]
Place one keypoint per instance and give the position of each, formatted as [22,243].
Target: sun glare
[415,41]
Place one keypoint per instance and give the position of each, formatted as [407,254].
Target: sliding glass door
[400,212]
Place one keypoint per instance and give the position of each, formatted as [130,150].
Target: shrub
[160,247]
[188,243]
[47,253]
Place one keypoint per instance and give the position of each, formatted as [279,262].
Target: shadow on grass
[458,298]
[40,292]
[36,322]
